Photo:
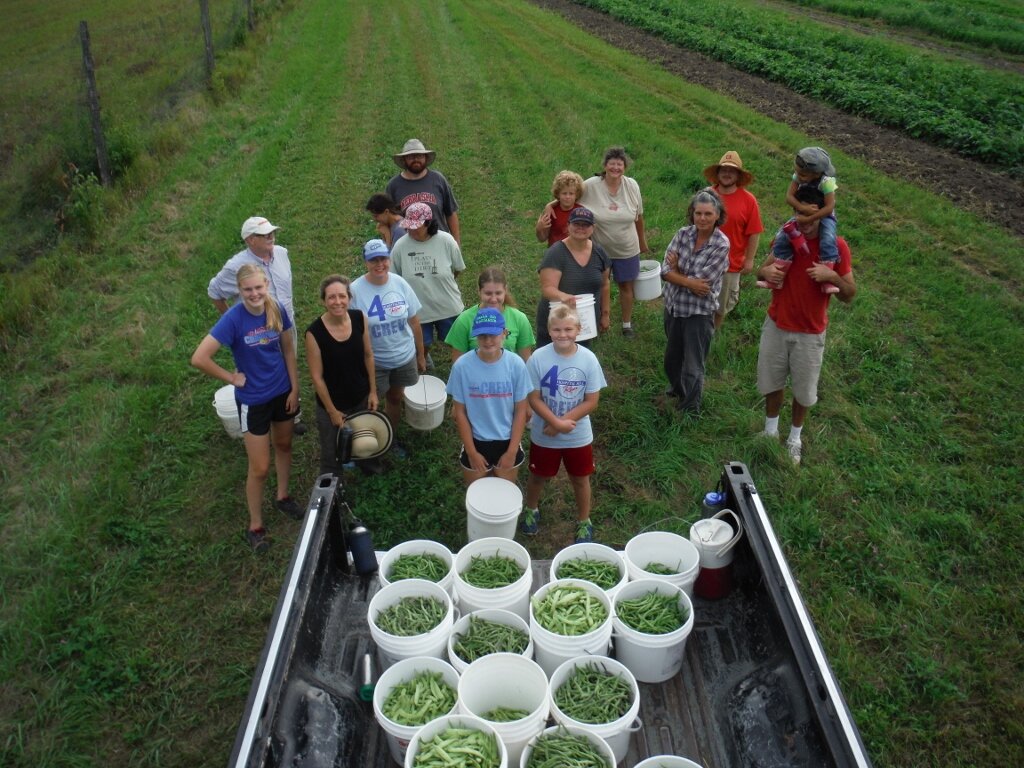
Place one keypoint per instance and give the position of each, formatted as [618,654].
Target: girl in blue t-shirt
[266,390]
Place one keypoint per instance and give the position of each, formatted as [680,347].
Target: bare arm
[371,370]
[508,459]
[221,305]
[749,254]
[202,359]
[813,213]
[316,373]
[288,349]
[454,229]
[465,430]
[604,322]
[641,234]
[549,279]
[417,335]
[820,273]
[544,222]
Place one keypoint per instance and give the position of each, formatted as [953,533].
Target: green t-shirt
[519,336]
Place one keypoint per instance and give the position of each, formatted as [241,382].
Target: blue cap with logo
[375,249]
[488,321]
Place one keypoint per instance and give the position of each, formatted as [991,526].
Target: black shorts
[491,450]
[255,419]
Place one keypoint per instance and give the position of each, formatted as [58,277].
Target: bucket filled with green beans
[410,618]
[569,618]
[491,630]
[511,693]
[493,573]
[456,741]
[592,562]
[598,695]
[419,559]
[563,746]
[663,555]
[652,621]
[410,694]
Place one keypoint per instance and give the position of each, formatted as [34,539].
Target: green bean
[420,699]
[492,572]
[569,610]
[652,614]
[591,694]
[504,715]
[601,572]
[458,748]
[661,569]
[412,616]
[421,566]
[484,637]
[562,749]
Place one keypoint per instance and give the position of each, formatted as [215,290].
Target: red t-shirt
[800,305]
[742,219]
[560,224]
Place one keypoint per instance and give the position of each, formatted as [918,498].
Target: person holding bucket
[266,390]
[573,266]
[340,360]
[489,388]
[392,316]
[567,381]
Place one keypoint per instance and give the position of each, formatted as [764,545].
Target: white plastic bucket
[714,539]
[400,735]
[511,681]
[551,649]
[585,308]
[617,732]
[515,597]
[669,549]
[393,648]
[442,724]
[493,505]
[419,547]
[424,403]
[590,736]
[498,616]
[592,551]
[652,658]
[227,410]
[648,283]
[667,761]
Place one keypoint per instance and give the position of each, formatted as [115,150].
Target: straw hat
[730,160]
[371,435]
[413,147]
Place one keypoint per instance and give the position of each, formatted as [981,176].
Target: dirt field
[970,185]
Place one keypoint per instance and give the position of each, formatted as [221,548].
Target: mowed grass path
[132,614]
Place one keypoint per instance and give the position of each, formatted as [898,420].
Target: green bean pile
[569,610]
[661,569]
[504,715]
[419,700]
[422,566]
[592,695]
[562,749]
[601,572]
[492,572]
[412,616]
[458,748]
[484,637]
[652,614]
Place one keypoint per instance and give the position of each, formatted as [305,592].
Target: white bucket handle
[739,530]
[635,726]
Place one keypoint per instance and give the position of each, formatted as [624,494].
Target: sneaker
[290,508]
[531,522]
[768,435]
[299,428]
[258,540]
[398,451]
[629,333]
[794,449]
[584,532]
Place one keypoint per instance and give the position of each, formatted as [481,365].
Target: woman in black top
[341,365]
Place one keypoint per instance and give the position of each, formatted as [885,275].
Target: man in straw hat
[418,183]
[742,227]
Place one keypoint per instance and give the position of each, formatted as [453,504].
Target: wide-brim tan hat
[413,147]
[731,160]
[371,435]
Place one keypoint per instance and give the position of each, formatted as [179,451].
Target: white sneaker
[794,449]
[769,435]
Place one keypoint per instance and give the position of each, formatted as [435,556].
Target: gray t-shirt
[433,189]
[575,280]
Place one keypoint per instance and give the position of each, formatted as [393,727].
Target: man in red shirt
[742,226]
[793,335]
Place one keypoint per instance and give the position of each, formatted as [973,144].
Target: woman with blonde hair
[266,390]
[553,223]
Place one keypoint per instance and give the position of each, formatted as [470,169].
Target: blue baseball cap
[488,321]
[375,249]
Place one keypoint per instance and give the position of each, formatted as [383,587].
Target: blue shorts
[626,270]
[442,327]
[255,419]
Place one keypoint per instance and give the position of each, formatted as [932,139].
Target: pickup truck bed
[755,690]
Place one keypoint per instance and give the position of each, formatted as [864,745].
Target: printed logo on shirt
[419,197]
[387,306]
[566,383]
[258,336]
[488,389]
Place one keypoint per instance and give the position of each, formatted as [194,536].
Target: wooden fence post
[204,14]
[92,97]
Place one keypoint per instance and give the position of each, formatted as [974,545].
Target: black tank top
[344,363]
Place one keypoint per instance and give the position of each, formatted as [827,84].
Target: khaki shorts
[729,296]
[783,354]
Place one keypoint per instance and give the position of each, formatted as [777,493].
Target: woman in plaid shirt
[692,273]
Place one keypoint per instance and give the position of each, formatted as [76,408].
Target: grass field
[131,612]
